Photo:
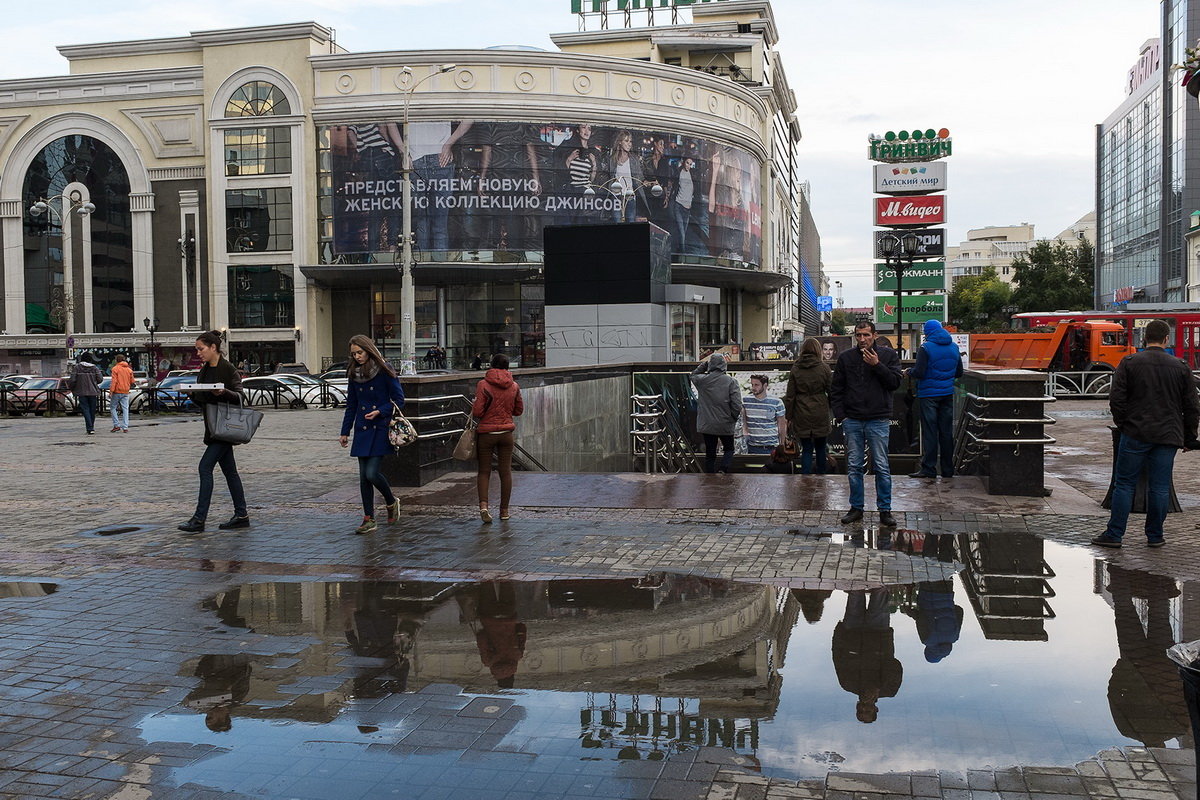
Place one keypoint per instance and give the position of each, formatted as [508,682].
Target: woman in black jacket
[217,369]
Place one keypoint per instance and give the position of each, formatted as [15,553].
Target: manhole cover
[117,530]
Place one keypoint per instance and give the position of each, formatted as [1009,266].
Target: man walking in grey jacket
[1154,406]
[84,382]
[718,410]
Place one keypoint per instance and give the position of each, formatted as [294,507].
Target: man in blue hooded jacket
[939,365]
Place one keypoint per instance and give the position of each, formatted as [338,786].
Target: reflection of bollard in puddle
[1187,657]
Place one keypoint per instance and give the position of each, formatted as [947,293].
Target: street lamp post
[621,192]
[408,298]
[151,347]
[899,251]
[60,206]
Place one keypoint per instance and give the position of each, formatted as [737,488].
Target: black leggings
[369,479]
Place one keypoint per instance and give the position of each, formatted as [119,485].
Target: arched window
[257,99]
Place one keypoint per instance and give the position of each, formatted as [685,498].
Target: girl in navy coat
[372,388]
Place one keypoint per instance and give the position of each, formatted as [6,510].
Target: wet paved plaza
[622,637]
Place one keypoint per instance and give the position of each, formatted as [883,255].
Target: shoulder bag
[465,449]
[232,423]
[401,432]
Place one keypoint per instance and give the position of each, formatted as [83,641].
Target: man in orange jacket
[118,394]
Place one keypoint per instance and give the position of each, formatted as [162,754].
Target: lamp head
[656,190]
[447,67]
[38,208]
[888,245]
[146,323]
[406,70]
[590,191]
[911,244]
[85,209]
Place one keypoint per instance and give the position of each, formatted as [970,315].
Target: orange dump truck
[1085,346]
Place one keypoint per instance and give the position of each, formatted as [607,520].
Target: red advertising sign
[910,212]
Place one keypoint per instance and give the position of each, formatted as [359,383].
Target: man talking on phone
[861,398]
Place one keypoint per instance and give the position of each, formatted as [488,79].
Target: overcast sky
[1019,83]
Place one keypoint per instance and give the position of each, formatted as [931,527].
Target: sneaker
[235,522]
[485,515]
[853,515]
[1104,540]
[91,433]
[393,512]
[1155,542]
[886,519]
[115,429]
[368,525]
[193,525]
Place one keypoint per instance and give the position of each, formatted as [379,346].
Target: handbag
[401,432]
[785,452]
[465,449]
[231,423]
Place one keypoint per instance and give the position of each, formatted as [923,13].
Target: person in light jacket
[497,401]
[372,389]
[718,410]
[806,402]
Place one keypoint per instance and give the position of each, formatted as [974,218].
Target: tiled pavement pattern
[82,668]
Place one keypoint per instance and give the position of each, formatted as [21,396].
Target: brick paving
[81,669]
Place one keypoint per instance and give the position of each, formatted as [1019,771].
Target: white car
[294,391]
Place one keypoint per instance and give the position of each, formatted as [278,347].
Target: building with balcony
[249,181]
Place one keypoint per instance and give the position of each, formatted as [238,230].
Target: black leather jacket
[1153,398]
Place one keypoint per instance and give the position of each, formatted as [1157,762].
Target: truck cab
[1091,345]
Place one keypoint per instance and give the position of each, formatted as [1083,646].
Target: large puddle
[1034,654]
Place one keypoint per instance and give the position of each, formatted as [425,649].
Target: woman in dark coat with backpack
[373,395]
[807,405]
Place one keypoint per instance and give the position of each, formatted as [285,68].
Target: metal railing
[1094,384]
[657,437]
[971,444]
[448,417]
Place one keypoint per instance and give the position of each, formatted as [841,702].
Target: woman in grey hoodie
[718,410]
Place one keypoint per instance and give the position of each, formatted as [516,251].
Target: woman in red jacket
[497,401]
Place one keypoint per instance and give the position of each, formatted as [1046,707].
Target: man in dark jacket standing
[1155,408]
[861,399]
[84,382]
[939,365]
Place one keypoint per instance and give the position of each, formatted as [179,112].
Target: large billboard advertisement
[931,242]
[495,185]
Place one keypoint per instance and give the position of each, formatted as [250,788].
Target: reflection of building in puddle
[624,723]
[1145,693]
[669,635]
[26,589]
[1008,582]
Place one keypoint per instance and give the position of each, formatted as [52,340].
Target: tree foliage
[1053,276]
[840,322]
[980,302]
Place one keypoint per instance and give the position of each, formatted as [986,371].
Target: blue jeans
[937,434]
[1158,460]
[710,452]
[681,216]
[371,478]
[809,447]
[220,453]
[118,404]
[760,449]
[87,407]
[859,433]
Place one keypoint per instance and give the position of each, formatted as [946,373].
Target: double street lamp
[151,348]
[59,208]
[622,192]
[899,251]
[408,298]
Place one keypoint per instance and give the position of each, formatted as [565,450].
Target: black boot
[193,525]
[235,522]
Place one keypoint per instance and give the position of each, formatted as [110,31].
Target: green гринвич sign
[921,276]
[596,6]
[917,308]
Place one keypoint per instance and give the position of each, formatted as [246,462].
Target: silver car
[294,391]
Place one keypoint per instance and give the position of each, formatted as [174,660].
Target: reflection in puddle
[26,589]
[1010,663]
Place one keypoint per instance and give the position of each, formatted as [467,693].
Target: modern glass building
[1148,172]
[249,180]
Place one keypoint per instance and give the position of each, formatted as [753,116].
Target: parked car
[296,391]
[175,373]
[164,397]
[294,368]
[40,395]
[334,377]
[17,379]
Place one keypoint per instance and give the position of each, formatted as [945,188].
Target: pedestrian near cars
[84,382]
[939,365]
[373,394]
[764,421]
[861,399]
[215,368]
[806,403]
[718,410]
[118,394]
[497,401]
[1155,408]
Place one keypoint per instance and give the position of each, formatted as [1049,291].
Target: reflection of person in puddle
[812,602]
[1144,692]
[378,631]
[864,651]
[226,682]
[939,620]
[499,635]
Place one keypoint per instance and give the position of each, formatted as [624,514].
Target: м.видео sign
[910,212]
